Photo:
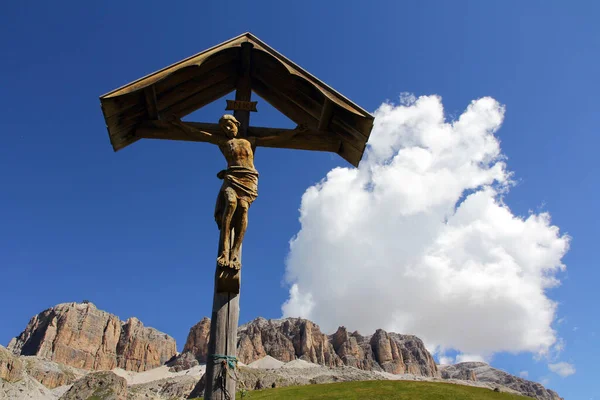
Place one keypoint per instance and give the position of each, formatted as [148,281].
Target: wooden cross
[152,108]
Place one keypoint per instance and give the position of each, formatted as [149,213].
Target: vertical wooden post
[244,88]
[226,306]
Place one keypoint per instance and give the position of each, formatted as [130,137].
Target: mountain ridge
[69,341]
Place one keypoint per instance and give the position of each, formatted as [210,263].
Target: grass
[384,390]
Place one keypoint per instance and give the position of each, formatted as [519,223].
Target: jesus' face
[229,127]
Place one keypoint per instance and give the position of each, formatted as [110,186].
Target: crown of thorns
[229,117]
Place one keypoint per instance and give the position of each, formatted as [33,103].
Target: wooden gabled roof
[190,84]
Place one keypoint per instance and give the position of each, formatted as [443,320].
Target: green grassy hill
[380,390]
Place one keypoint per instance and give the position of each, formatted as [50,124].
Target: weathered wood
[228,280]
[283,105]
[125,123]
[312,107]
[199,90]
[157,76]
[243,88]
[122,104]
[350,154]
[123,141]
[198,80]
[226,309]
[191,75]
[342,125]
[151,107]
[203,98]
[241,105]
[294,68]
[196,85]
[308,140]
[207,66]
[296,101]
[223,340]
[326,115]
[284,88]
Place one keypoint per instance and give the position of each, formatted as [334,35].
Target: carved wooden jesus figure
[240,184]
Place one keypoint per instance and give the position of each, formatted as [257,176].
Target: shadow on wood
[227,280]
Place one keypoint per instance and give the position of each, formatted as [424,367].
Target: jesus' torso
[238,152]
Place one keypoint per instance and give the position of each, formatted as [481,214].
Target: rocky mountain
[58,355]
[81,336]
[295,338]
[482,372]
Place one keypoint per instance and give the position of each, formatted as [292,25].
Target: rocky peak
[416,357]
[141,348]
[82,336]
[387,353]
[197,340]
[353,350]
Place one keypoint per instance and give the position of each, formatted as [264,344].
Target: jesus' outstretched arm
[199,133]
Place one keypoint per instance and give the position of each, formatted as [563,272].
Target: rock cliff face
[49,373]
[141,348]
[81,336]
[416,357]
[11,368]
[484,373]
[285,340]
[197,340]
[295,338]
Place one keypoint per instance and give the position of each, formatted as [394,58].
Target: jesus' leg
[230,202]
[241,223]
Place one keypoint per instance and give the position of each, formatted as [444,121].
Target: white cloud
[446,360]
[469,357]
[545,381]
[562,368]
[418,239]
[524,374]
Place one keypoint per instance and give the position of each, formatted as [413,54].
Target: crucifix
[240,183]
[152,108]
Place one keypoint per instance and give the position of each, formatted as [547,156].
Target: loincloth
[244,181]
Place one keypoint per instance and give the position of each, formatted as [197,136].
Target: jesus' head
[229,125]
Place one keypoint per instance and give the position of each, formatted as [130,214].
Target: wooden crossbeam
[308,140]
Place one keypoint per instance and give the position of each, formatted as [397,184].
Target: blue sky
[133,231]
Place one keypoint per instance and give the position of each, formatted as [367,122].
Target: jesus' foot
[235,263]
[223,260]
